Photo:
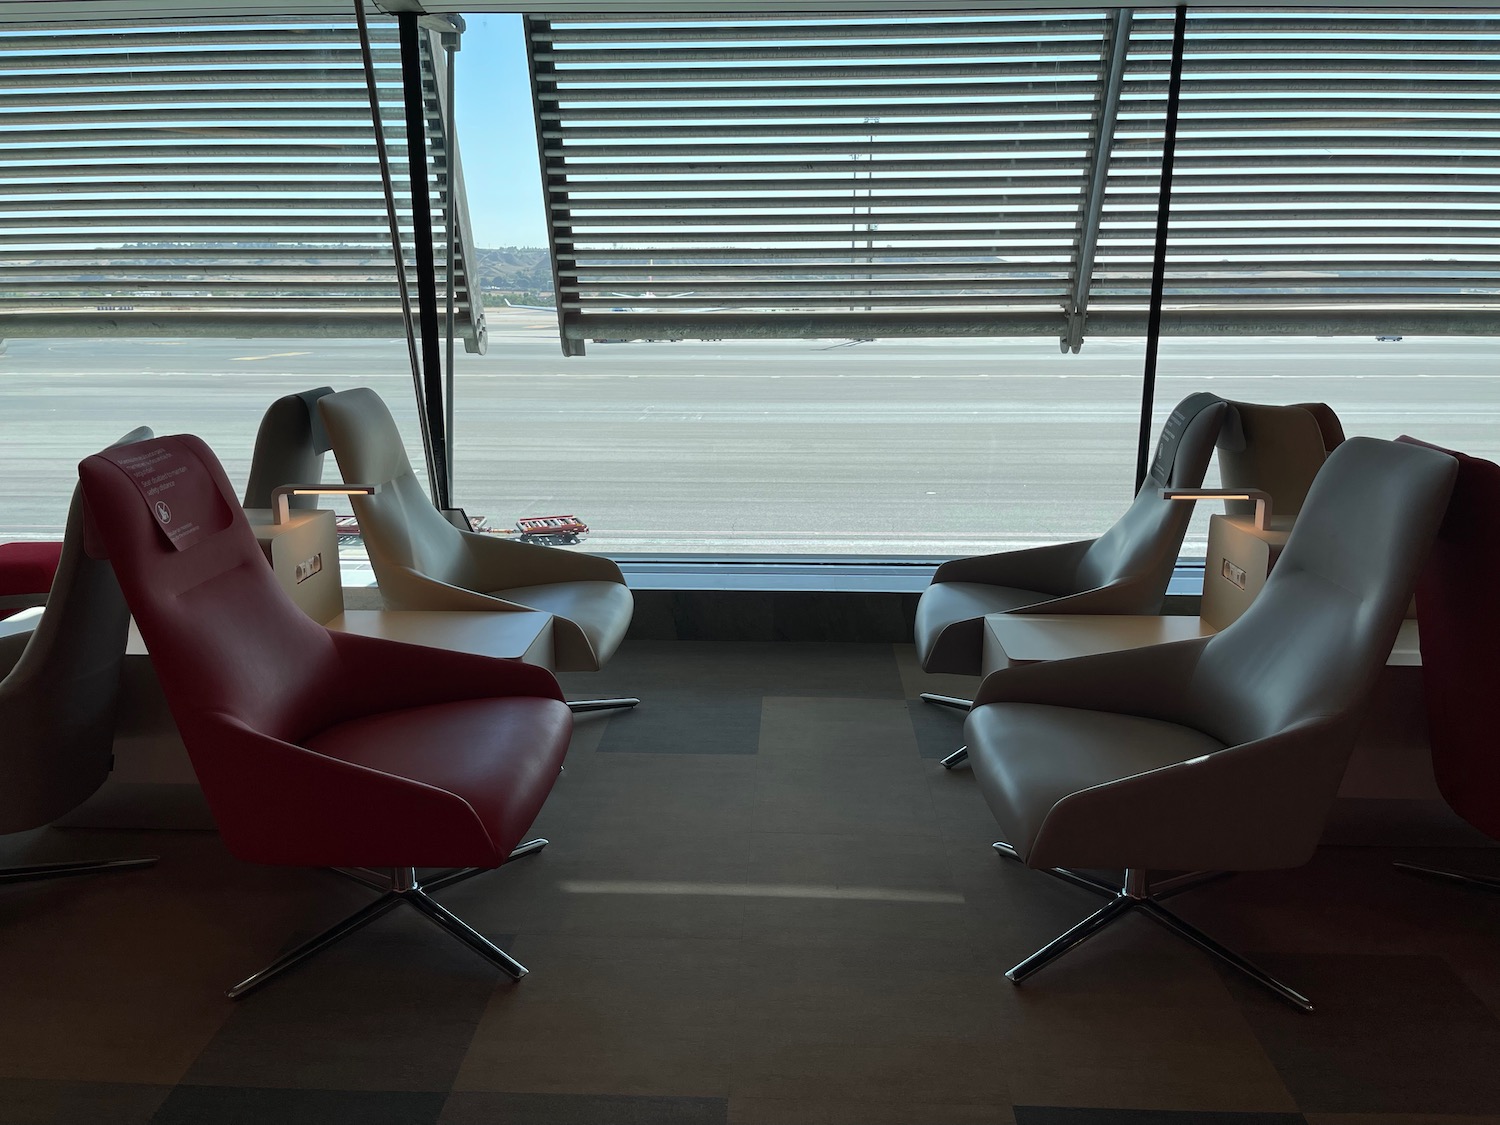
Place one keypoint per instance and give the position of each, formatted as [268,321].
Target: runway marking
[273,355]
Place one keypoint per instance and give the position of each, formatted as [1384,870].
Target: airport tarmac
[905,448]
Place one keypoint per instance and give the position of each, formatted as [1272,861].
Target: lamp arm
[1260,496]
[281,494]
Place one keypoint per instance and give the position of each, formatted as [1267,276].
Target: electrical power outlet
[308,567]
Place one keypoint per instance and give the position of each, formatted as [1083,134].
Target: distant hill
[520,273]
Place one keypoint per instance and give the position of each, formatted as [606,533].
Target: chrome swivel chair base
[37,871]
[957,758]
[402,886]
[1136,895]
[1485,882]
[957,703]
[962,753]
[580,706]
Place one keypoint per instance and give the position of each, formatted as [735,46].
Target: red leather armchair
[1458,609]
[317,748]
[26,574]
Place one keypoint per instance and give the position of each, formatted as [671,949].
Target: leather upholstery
[289,448]
[1125,570]
[1223,753]
[57,704]
[421,561]
[319,748]
[1277,449]
[1458,605]
[26,572]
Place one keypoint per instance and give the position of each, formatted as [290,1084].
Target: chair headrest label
[179,491]
[1171,433]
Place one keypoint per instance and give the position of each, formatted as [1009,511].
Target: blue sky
[497,134]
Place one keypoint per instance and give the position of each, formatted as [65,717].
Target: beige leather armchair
[422,561]
[1220,754]
[1125,570]
[57,703]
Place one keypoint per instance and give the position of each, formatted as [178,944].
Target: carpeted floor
[764,902]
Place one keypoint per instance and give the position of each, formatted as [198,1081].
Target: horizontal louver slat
[767,159]
[1325,161]
[1350,200]
[162,180]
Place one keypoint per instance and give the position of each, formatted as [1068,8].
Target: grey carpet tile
[35,1101]
[1391,1034]
[676,721]
[760,668]
[625,793]
[228,1105]
[1054,1115]
[581,1109]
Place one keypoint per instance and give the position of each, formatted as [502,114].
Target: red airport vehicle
[551,529]
[546,530]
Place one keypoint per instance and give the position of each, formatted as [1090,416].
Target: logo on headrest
[163,512]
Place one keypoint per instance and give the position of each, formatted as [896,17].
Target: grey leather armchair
[422,561]
[1220,754]
[1277,449]
[57,701]
[1125,570]
[289,448]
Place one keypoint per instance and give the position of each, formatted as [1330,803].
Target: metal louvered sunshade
[212,179]
[998,174]
[1335,173]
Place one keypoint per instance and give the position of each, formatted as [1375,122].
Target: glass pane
[1441,389]
[920,447]
[63,399]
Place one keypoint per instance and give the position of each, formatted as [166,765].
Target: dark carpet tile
[581,1109]
[1391,1034]
[1057,1115]
[940,730]
[390,1007]
[227,1105]
[34,1101]
[686,722]
[752,667]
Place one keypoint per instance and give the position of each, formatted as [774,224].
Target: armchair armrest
[1149,682]
[404,588]
[496,564]
[384,675]
[1122,596]
[1047,569]
[1212,812]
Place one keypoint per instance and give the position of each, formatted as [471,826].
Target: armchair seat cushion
[28,568]
[500,755]
[598,612]
[1027,757]
[950,621]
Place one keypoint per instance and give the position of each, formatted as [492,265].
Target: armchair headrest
[368,444]
[1188,432]
[187,501]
